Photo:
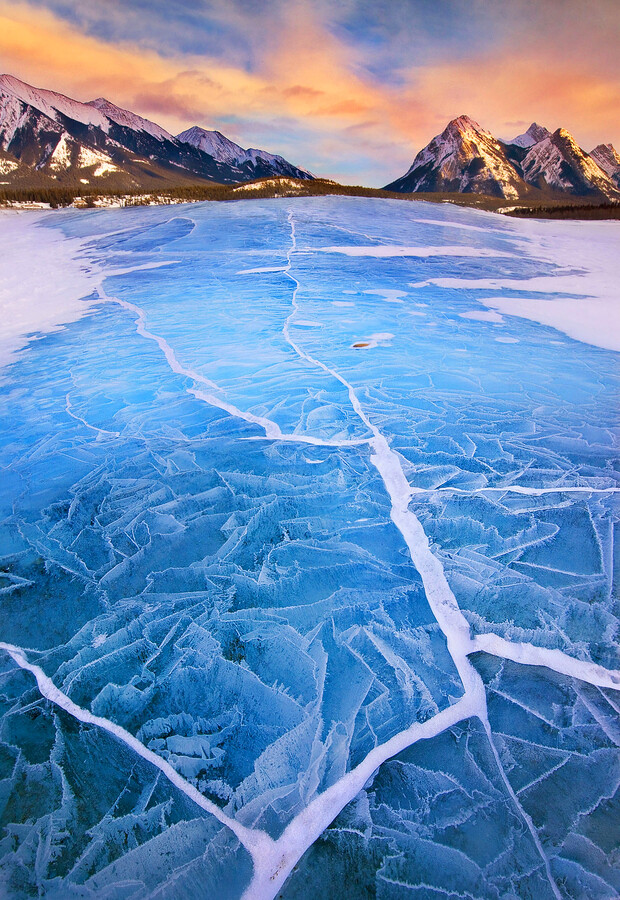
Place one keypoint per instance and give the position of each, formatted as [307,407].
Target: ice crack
[439,595]
[272,429]
[255,841]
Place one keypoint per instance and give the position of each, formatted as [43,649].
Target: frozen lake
[307,521]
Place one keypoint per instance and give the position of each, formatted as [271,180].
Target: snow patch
[90,157]
[41,298]
[261,269]
[388,294]
[481,315]
[61,157]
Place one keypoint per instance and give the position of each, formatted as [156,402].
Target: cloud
[503,92]
[311,80]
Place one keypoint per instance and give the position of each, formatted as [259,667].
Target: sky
[349,89]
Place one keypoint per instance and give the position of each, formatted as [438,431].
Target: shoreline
[554,207]
[45,281]
[581,301]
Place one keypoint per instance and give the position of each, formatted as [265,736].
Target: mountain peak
[605,147]
[52,104]
[558,163]
[464,158]
[257,162]
[214,143]
[606,157]
[463,124]
[533,135]
[128,119]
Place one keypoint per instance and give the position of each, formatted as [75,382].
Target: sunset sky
[350,89]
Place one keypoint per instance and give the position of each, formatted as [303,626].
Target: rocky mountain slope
[533,134]
[609,161]
[558,164]
[47,138]
[465,158]
[252,163]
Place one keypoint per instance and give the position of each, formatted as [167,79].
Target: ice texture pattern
[307,565]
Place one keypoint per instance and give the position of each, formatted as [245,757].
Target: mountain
[608,160]
[254,163]
[214,143]
[533,134]
[54,139]
[465,158]
[129,120]
[558,164]
[47,138]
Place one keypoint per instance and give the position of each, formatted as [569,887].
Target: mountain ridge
[47,138]
[465,158]
[608,159]
[261,163]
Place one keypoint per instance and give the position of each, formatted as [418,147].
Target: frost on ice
[281,618]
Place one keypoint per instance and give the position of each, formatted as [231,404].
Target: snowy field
[307,521]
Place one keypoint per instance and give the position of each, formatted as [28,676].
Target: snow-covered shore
[43,280]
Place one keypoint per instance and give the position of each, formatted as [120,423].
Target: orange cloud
[310,82]
[502,89]
[43,49]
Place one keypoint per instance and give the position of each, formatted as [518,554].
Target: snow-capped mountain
[130,120]
[256,163]
[52,105]
[37,130]
[212,142]
[558,163]
[465,158]
[46,138]
[533,134]
[609,161]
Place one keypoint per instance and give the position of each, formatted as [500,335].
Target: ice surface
[439,820]
[254,580]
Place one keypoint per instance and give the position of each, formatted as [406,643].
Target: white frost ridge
[387,250]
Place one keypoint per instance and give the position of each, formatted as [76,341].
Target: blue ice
[360,599]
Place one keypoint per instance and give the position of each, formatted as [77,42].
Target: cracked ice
[281,618]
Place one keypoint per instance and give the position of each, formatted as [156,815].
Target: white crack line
[272,429]
[272,860]
[439,595]
[530,655]
[255,841]
[517,489]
